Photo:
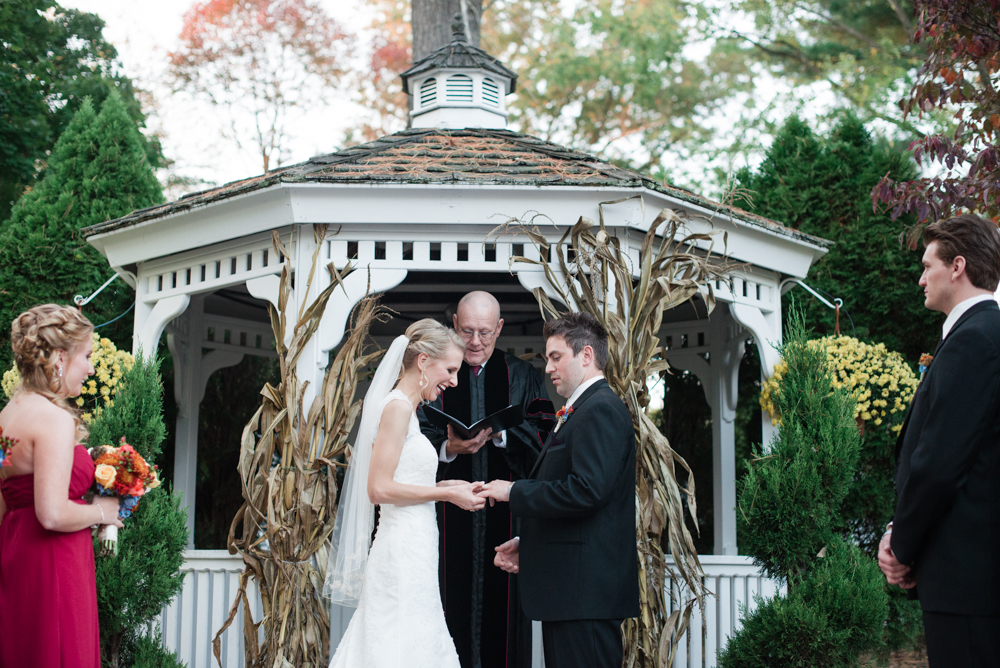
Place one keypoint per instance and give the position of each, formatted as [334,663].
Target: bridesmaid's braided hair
[431,337]
[35,337]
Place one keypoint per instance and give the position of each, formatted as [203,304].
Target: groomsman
[576,558]
[480,602]
[944,540]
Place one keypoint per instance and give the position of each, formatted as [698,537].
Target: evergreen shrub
[133,587]
[98,171]
[789,519]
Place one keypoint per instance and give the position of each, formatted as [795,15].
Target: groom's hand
[498,490]
[457,446]
[508,556]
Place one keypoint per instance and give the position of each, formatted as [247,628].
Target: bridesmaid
[48,596]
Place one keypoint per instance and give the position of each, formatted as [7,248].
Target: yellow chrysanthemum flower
[110,364]
[879,377]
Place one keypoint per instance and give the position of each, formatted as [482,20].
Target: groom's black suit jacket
[577,516]
[947,521]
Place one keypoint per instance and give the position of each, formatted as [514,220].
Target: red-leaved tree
[962,72]
[257,60]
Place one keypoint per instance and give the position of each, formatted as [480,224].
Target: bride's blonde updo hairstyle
[431,337]
[35,337]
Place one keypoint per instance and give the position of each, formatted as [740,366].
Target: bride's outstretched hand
[463,495]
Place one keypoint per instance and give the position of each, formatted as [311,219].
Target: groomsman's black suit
[578,569]
[947,521]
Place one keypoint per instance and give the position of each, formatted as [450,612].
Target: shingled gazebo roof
[471,156]
[431,156]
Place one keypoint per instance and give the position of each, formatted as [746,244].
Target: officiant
[480,602]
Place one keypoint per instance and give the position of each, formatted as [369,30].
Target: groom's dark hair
[580,330]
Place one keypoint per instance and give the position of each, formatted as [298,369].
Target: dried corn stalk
[287,468]
[630,303]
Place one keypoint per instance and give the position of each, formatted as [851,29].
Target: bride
[399,619]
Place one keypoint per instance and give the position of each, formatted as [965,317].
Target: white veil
[352,530]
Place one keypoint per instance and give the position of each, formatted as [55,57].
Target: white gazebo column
[727,342]
[192,370]
[183,350]
[721,341]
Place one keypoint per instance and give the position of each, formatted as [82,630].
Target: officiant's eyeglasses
[469,334]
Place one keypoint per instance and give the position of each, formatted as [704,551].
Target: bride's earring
[423,380]
[60,371]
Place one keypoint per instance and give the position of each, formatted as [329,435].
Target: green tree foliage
[859,50]
[133,587]
[149,653]
[51,58]
[788,516]
[610,77]
[97,171]
[822,186]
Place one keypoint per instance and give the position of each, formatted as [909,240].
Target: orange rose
[104,475]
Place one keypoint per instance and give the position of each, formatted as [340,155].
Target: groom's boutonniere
[561,416]
[925,364]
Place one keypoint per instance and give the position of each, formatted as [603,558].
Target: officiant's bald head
[478,321]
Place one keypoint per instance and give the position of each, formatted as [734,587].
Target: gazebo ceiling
[452,157]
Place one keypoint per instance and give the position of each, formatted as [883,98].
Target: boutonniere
[561,416]
[925,364]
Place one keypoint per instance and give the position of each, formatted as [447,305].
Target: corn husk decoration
[288,461]
[593,274]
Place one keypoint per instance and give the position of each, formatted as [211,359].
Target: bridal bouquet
[5,445]
[121,472]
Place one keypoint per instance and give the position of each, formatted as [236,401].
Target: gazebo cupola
[459,86]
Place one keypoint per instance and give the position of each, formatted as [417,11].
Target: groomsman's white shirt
[959,311]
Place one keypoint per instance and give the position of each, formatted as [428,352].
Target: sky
[144,32]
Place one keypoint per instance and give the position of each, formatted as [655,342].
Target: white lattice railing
[735,581]
[190,622]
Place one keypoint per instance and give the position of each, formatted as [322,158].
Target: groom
[576,551]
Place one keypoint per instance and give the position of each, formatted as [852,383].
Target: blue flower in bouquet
[126,506]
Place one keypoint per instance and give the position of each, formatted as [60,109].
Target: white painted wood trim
[190,621]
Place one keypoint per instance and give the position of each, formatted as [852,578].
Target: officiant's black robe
[480,601]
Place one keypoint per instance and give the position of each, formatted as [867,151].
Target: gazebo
[415,211]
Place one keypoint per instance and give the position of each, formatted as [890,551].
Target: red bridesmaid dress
[48,593]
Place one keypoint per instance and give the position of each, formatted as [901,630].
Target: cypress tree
[834,607]
[133,587]
[822,186]
[98,171]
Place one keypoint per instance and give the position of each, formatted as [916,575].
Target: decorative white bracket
[537,279]
[266,288]
[343,300]
[752,318]
[165,310]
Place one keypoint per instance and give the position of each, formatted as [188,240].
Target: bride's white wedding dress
[399,620]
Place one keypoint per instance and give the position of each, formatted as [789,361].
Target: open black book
[499,421]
